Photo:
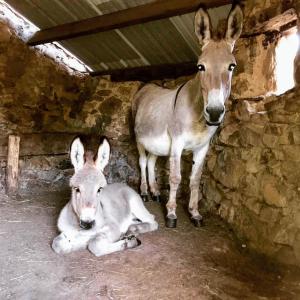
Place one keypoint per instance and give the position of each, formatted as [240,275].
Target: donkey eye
[76,189]
[99,190]
[231,67]
[201,67]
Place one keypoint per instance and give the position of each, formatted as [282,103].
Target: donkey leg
[109,241]
[198,160]
[174,180]
[143,165]
[67,242]
[147,223]
[100,246]
[151,177]
[139,228]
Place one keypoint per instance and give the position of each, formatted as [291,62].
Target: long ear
[77,154]
[234,25]
[203,26]
[103,155]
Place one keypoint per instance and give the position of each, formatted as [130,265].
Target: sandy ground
[182,263]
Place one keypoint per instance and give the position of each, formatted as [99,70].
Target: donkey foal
[104,218]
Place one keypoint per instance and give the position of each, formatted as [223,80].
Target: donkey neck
[194,92]
[191,98]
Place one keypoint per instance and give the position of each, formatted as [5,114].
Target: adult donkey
[170,121]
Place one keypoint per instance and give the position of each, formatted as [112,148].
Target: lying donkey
[104,218]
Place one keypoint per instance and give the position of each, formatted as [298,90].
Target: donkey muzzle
[86,225]
[214,115]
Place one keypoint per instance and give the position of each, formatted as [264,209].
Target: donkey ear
[77,154]
[234,25]
[202,26]
[103,155]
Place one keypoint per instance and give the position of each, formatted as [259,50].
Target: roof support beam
[127,17]
[149,73]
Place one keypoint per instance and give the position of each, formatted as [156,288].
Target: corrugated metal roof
[159,42]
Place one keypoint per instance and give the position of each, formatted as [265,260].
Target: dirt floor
[182,263]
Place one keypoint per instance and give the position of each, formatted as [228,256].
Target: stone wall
[252,173]
[40,101]
[47,106]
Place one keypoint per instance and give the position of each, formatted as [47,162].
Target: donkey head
[216,62]
[88,180]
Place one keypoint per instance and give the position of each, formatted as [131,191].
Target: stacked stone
[252,174]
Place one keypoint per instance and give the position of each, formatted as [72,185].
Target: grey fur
[116,211]
[169,121]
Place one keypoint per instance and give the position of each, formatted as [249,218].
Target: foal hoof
[171,222]
[131,241]
[156,198]
[198,222]
[146,198]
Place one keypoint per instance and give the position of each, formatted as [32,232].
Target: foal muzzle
[86,225]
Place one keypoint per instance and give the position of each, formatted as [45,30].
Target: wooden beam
[149,73]
[127,17]
[12,167]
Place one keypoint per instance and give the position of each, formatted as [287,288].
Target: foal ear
[103,155]
[203,26]
[77,154]
[234,25]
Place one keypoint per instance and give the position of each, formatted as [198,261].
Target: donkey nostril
[207,110]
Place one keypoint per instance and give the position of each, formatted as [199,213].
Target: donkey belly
[159,145]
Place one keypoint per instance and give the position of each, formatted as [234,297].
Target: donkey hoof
[171,222]
[146,198]
[156,198]
[131,242]
[198,222]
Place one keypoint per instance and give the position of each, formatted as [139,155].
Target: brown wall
[41,102]
[47,106]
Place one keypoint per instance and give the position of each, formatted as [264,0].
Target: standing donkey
[104,218]
[170,121]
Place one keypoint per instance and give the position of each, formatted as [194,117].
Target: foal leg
[67,242]
[174,181]
[100,246]
[147,223]
[198,160]
[151,177]
[109,241]
[143,165]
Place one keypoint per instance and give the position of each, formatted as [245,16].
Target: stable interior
[249,247]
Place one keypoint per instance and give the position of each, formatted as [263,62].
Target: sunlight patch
[25,29]
[285,54]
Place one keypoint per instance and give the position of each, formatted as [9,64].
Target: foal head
[88,180]
[216,62]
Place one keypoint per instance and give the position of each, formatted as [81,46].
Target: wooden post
[12,167]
